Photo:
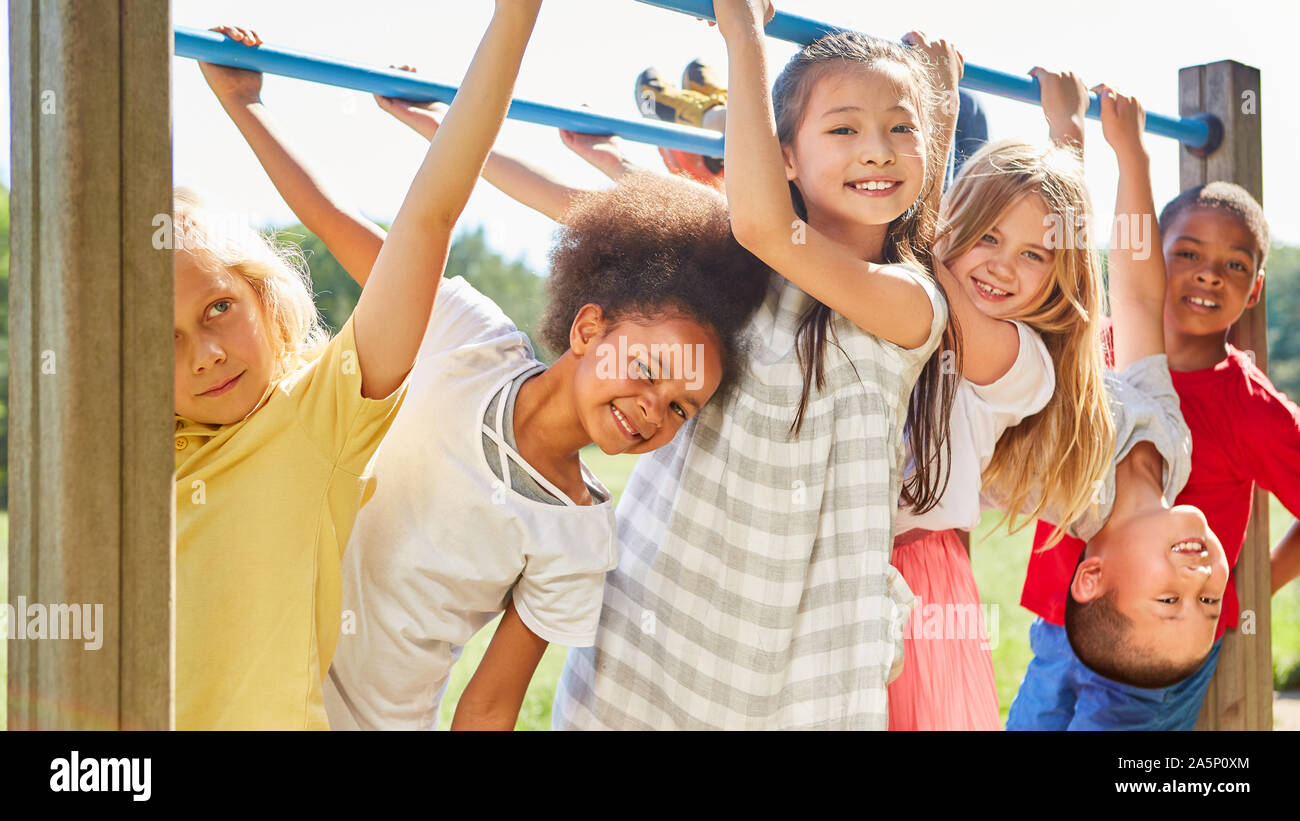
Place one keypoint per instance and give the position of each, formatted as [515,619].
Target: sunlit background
[590,51]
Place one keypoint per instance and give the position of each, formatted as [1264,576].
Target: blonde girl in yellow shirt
[274,431]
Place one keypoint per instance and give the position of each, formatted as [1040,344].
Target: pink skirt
[947,680]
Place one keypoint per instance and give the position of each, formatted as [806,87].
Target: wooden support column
[90,456]
[1241,695]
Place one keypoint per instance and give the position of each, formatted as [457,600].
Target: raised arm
[352,239]
[390,318]
[517,178]
[947,63]
[1136,280]
[990,345]
[880,299]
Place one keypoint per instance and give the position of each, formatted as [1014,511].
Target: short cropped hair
[1228,198]
[654,246]
[1101,638]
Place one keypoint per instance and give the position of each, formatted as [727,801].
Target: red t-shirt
[1243,432]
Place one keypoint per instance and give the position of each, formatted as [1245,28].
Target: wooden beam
[1241,694]
[90,362]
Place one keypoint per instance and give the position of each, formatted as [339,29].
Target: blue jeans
[1059,693]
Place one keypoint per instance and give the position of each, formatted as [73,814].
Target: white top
[980,414]
[443,542]
[1145,408]
[754,589]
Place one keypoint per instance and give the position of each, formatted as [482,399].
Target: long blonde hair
[1064,450]
[276,272]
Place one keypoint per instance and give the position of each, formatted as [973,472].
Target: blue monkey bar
[1201,133]
[211,47]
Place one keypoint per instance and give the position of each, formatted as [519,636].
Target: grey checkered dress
[754,589]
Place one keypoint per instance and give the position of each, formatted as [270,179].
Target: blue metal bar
[1194,132]
[212,47]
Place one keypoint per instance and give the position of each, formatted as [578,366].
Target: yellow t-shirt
[264,508]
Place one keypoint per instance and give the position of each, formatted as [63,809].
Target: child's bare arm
[1064,99]
[947,65]
[393,312]
[882,300]
[1285,558]
[517,178]
[492,698]
[352,239]
[989,345]
[1137,263]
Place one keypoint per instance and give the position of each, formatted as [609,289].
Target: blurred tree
[4,349]
[512,285]
[1283,301]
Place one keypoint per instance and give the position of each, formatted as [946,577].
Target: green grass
[999,560]
[1285,612]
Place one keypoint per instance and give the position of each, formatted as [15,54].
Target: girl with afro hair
[479,503]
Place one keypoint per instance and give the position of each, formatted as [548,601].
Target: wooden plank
[1241,695]
[91,363]
[147,401]
[78,327]
[1191,100]
[24,369]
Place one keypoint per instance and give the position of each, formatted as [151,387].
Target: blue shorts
[1059,693]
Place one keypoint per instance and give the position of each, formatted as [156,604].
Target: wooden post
[90,454]
[1241,695]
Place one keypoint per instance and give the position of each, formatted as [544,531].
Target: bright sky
[590,51]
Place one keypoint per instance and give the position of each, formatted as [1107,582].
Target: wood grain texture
[148,613]
[1241,695]
[91,515]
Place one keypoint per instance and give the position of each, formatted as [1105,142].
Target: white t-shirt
[444,543]
[980,414]
[1145,408]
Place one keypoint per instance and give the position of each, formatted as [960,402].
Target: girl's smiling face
[638,380]
[858,156]
[223,353]
[1004,271]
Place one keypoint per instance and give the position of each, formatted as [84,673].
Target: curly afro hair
[654,246]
